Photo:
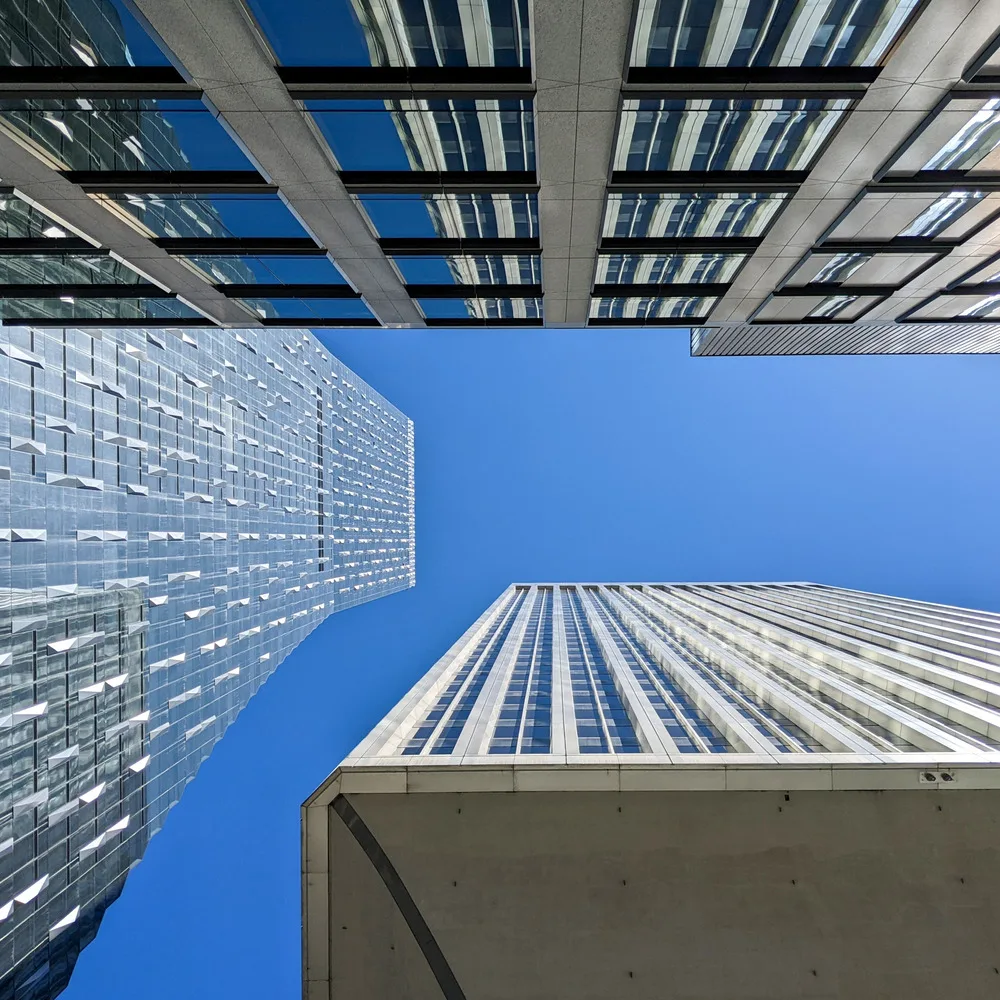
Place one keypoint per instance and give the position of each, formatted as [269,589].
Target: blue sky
[560,455]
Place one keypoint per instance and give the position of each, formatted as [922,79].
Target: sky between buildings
[550,455]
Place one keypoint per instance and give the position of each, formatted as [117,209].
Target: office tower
[774,177]
[178,510]
[713,790]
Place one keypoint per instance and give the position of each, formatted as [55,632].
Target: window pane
[909,213]
[453,215]
[293,269]
[828,308]
[956,306]
[428,134]
[14,310]
[481,308]
[634,268]
[80,33]
[724,134]
[125,134]
[216,215]
[767,32]
[643,307]
[690,213]
[59,269]
[469,269]
[436,33]
[309,309]
[852,268]
[20,220]
[963,136]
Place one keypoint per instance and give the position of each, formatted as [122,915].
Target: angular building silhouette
[713,790]
[179,510]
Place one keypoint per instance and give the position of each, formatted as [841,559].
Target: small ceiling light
[67,298]
[54,233]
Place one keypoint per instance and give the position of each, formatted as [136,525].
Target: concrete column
[221,50]
[578,53]
[42,183]
[564,734]
[475,737]
[653,736]
[719,712]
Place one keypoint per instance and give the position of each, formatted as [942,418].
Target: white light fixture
[54,233]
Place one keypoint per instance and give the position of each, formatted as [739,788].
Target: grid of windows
[563,672]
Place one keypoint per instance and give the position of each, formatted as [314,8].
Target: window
[724,133]
[690,213]
[695,268]
[470,269]
[642,308]
[767,32]
[452,216]
[885,215]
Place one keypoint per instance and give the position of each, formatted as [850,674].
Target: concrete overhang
[841,877]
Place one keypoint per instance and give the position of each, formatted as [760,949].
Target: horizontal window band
[975,288]
[678,244]
[850,77]
[155,323]
[118,76]
[474,291]
[169,181]
[234,246]
[421,247]
[327,291]
[407,77]
[387,92]
[898,244]
[88,291]
[491,323]
[707,181]
[833,288]
[933,181]
[438,181]
[667,324]
[55,247]
[660,289]
[315,321]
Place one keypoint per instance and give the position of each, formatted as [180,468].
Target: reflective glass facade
[428,149]
[669,674]
[767,33]
[179,510]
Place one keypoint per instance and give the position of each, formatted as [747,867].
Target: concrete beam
[221,50]
[40,183]
[578,52]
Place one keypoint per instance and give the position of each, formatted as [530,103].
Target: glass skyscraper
[713,790]
[180,509]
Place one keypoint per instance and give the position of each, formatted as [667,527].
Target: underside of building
[709,894]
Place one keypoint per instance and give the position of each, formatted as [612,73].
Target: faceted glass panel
[60,269]
[828,308]
[884,216]
[21,220]
[965,135]
[124,134]
[436,134]
[647,307]
[435,33]
[452,216]
[691,213]
[71,308]
[481,308]
[724,133]
[471,269]
[309,310]
[76,33]
[290,269]
[767,32]
[201,215]
[633,268]
[957,306]
[855,268]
